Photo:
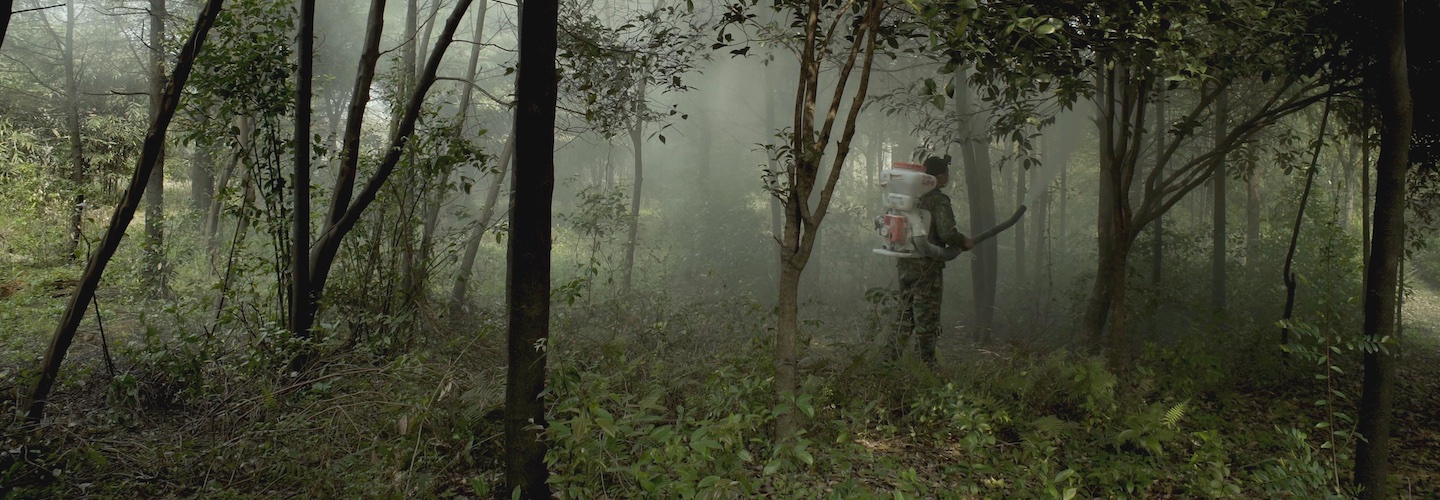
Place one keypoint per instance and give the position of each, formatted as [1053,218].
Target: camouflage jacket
[942,219]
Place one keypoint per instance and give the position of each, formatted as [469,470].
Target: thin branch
[39,81]
[33,9]
[477,88]
[869,31]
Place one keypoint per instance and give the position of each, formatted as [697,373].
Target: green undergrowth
[666,397]
[1053,426]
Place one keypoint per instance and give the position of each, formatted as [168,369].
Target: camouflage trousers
[921,291]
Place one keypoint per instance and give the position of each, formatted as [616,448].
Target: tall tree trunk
[1347,203]
[1252,212]
[1020,235]
[1041,236]
[436,201]
[1157,239]
[1064,215]
[528,251]
[637,142]
[349,151]
[217,203]
[1365,198]
[1107,297]
[472,246]
[425,37]
[407,198]
[1348,193]
[1392,91]
[1041,227]
[300,293]
[6,6]
[1120,107]
[155,191]
[1106,305]
[432,202]
[345,213]
[1217,225]
[984,265]
[809,139]
[408,54]
[124,212]
[1287,275]
[1110,263]
[202,180]
[72,125]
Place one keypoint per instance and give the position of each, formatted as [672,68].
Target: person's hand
[967,245]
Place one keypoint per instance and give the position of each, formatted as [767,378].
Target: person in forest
[921,279]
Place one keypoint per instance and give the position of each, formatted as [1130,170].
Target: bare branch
[33,9]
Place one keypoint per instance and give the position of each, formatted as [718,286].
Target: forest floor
[1417,391]
[676,392]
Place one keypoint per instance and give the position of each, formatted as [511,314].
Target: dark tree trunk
[1217,225]
[432,201]
[1157,241]
[1365,199]
[72,125]
[1347,202]
[355,117]
[1252,212]
[527,276]
[1041,228]
[300,299]
[155,191]
[787,305]
[1115,237]
[406,198]
[809,139]
[345,213]
[1287,274]
[1121,110]
[1392,88]
[124,212]
[1041,236]
[1111,262]
[637,142]
[6,6]
[979,185]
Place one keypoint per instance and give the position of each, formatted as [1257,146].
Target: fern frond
[1175,414]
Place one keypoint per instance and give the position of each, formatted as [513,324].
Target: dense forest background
[263,248]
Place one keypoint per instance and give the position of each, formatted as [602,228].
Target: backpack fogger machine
[905,226]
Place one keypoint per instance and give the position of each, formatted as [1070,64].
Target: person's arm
[944,225]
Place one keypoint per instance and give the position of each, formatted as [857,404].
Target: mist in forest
[1190,249]
[706,220]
